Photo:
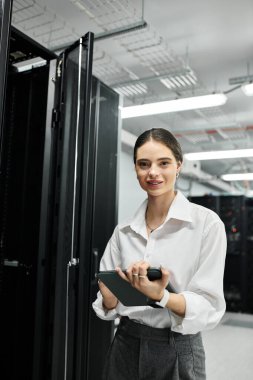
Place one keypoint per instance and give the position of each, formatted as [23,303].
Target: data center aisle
[229,348]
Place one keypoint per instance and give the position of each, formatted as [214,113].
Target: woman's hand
[136,274]
[109,299]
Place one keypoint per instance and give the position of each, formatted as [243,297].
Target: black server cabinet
[249,243]
[58,209]
[81,209]
[234,212]
[22,160]
[21,163]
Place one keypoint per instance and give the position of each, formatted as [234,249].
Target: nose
[153,171]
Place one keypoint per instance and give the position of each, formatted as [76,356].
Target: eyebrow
[165,158]
[159,159]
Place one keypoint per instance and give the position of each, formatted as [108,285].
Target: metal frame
[30,47]
[5,20]
[41,334]
[85,214]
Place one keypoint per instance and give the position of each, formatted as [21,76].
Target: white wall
[131,195]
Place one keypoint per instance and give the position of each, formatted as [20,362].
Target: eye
[143,165]
[164,164]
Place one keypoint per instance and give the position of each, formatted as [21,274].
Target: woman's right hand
[109,299]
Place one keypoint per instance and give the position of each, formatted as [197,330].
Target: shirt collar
[180,209]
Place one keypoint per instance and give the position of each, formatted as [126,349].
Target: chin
[157,193]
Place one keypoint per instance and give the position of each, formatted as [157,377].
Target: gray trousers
[140,352]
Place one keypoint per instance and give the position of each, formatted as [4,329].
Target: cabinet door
[73,178]
[104,117]
[82,204]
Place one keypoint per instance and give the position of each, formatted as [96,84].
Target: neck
[158,206]
[157,210]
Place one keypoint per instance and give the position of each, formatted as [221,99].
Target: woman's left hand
[136,274]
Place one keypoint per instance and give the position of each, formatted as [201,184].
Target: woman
[188,243]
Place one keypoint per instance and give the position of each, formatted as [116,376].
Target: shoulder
[201,214]
[203,211]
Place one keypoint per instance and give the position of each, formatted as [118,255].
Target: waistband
[139,330]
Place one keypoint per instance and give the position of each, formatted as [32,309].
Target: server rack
[22,160]
[22,142]
[236,213]
[233,214]
[249,248]
[51,282]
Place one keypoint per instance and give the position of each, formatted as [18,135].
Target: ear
[179,166]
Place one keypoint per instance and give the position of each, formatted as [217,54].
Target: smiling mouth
[154,183]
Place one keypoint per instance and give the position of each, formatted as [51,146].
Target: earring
[177,175]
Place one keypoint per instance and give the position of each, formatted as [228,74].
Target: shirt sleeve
[205,303]
[102,313]
[109,261]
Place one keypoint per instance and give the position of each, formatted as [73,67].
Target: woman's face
[156,168]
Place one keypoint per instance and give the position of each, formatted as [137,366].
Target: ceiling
[160,50]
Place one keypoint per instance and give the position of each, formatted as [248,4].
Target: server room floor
[229,348]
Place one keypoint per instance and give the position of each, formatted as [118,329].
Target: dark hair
[162,136]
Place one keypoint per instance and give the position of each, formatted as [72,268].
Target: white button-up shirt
[191,244]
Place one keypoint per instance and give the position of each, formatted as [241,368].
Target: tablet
[124,291]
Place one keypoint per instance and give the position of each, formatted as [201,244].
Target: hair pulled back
[162,136]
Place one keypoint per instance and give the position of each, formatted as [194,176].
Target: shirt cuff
[199,315]
[107,315]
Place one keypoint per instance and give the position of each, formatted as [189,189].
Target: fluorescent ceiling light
[238,177]
[219,154]
[184,104]
[80,5]
[248,89]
